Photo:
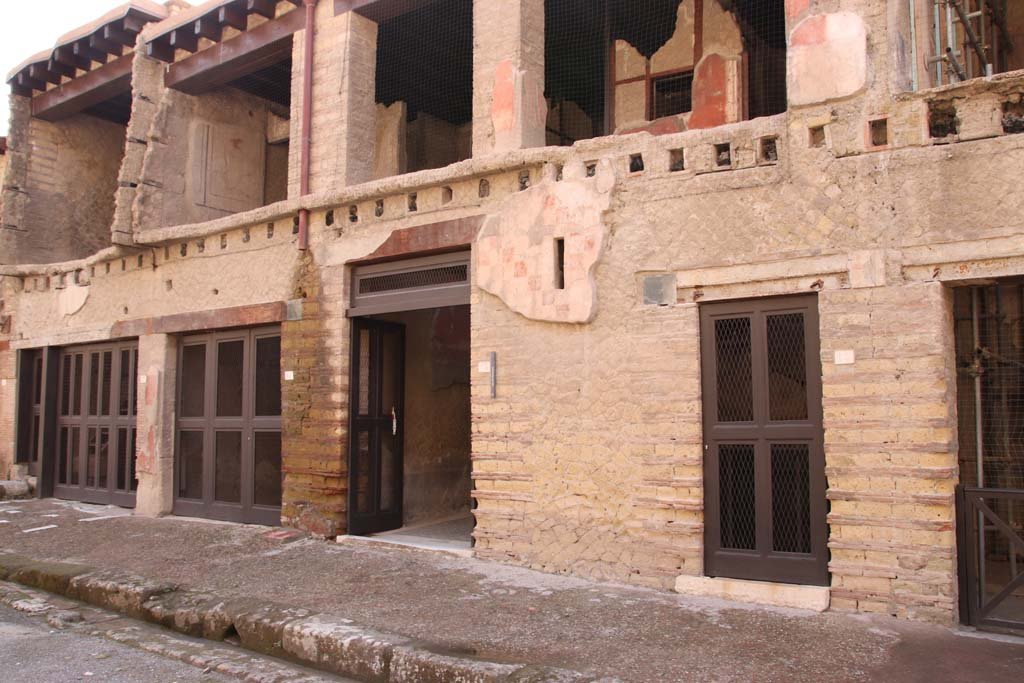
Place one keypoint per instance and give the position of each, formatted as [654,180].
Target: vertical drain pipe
[307,120]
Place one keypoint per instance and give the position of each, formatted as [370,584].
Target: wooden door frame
[764,564]
[248,424]
[112,422]
[376,521]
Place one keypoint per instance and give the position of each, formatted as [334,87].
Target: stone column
[154,451]
[344,101]
[509,110]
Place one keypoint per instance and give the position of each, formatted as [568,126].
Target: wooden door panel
[764,455]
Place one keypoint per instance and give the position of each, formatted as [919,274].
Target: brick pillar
[314,420]
[891,449]
[509,110]
[158,359]
[344,101]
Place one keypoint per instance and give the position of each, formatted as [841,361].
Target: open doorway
[410,472]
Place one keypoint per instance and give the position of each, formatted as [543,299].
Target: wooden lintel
[222,63]
[88,90]
[200,321]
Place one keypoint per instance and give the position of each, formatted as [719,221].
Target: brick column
[509,110]
[157,382]
[344,101]
[891,449]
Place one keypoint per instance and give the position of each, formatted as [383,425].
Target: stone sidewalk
[507,614]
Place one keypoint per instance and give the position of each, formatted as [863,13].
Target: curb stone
[320,641]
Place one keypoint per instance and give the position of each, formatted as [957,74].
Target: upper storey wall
[60,186]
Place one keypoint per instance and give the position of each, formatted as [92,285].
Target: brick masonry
[589,461]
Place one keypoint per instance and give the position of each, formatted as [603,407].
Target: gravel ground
[507,613]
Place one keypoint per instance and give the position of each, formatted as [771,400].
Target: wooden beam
[26,81]
[209,27]
[65,54]
[134,24]
[41,73]
[266,8]
[105,46]
[92,54]
[184,38]
[115,35]
[233,16]
[246,53]
[61,68]
[240,316]
[90,89]
[160,49]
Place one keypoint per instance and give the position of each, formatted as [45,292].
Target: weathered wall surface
[59,193]
[204,157]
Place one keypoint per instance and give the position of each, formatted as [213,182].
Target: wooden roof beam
[184,38]
[266,8]
[224,62]
[233,16]
[41,73]
[119,36]
[89,53]
[92,88]
[98,42]
[65,54]
[209,27]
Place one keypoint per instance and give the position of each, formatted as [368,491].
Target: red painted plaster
[710,93]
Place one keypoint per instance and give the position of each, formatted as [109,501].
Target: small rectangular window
[672,95]
[559,263]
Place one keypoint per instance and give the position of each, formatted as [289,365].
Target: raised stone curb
[15,490]
[320,641]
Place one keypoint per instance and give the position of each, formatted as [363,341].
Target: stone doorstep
[319,641]
[815,598]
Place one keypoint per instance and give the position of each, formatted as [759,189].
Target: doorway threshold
[452,535]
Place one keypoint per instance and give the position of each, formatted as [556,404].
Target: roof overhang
[86,49]
[193,30]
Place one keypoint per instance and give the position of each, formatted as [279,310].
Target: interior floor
[453,535]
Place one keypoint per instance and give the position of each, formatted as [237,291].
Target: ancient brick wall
[59,173]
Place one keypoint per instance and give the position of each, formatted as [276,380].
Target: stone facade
[588,460]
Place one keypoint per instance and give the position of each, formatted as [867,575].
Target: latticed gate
[990,500]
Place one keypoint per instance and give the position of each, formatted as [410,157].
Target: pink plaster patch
[503,100]
[520,269]
[710,93]
[794,8]
[812,31]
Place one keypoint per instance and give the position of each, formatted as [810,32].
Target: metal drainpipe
[307,120]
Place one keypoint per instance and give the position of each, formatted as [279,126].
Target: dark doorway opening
[764,461]
[410,467]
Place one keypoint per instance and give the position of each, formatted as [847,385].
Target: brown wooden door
[764,464]
[377,407]
[228,441]
[96,424]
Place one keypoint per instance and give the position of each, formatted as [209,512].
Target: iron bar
[979,436]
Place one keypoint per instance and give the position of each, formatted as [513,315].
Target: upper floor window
[617,66]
